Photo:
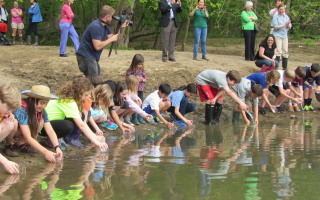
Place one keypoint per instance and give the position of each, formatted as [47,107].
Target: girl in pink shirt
[67,28]
[16,21]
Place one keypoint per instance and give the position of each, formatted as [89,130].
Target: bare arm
[242,106]
[177,112]
[170,125]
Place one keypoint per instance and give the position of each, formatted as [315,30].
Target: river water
[279,160]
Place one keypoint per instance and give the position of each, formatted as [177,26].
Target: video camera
[122,19]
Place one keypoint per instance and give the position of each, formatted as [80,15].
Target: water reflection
[272,161]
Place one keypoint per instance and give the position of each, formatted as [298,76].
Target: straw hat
[39,92]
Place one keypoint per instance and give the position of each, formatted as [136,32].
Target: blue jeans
[185,107]
[197,33]
[68,29]
[266,62]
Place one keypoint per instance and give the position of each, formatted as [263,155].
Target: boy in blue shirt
[312,75]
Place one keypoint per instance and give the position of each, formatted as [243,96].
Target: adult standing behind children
[169,24]
[211,85]
[274,12]
[16,21]
[34,19]
[282,24]
[248,19]
[201,15]
[67,28]
[95,38]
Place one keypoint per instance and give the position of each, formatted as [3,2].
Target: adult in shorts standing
[16,22]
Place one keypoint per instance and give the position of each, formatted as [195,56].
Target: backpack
[4,41]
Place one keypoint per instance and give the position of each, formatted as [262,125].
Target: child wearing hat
[31,118]
[10,99]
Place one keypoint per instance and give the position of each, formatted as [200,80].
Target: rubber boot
[14,39]
[134,119]
[36,38]
[140,119]
[208,113]
[284,63]
[73,137]
[28,39]
[235,116]
[218,109]
[20,37]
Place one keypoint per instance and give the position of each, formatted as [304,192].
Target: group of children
[78,106]
[82,103]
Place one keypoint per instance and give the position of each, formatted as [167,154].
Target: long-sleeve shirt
[67,14]
[277,21]
[133,106]
[246,23]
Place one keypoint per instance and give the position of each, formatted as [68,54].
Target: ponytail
[192,88]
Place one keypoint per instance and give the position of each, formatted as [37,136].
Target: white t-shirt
[281,79]
[153,100]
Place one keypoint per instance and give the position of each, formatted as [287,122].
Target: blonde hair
[132,83]
[274,74]
[101,97]
[290,73]
[11,96]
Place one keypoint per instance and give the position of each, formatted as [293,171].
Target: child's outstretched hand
[169,125]
[11,167]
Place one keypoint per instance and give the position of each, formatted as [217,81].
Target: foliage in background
[224,18]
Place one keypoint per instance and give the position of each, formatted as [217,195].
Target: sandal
[11,150]
[25,148]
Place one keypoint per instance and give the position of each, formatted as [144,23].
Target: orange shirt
[87,104]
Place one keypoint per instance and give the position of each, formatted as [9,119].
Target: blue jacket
[35,13]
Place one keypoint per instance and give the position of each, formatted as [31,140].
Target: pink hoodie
[67,14]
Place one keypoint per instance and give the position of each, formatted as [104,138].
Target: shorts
[88,66]
[17,25]
[207,92]
[275,89]
[149,110]
[305,86]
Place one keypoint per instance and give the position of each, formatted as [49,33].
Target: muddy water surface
[271,161]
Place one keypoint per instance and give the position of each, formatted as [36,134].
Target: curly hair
[101,97]
[274,74]
[73,91]
[11,96]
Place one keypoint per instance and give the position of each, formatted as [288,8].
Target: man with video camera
[95,38]
[169,24]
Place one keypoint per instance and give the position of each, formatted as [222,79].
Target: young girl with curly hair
[66,116]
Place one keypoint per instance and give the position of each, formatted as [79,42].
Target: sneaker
[205,58]
[279,109]
[179,122]
[126,119]
[150,120]
[156,119]
[121,119]
[262,111]
[306,108]
[11,150]
[196,58]
[63,143]
[311,108]
[109,125]
[296,108]
[291,108]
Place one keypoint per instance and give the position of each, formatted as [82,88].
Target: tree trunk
[157,41]
[288,7]
[123,40]
[187,27]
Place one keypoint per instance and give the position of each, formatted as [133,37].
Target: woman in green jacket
[248,19]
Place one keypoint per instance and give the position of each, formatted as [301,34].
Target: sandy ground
[24,66]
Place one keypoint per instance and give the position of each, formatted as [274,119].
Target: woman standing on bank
[16,21]
[34,19]
[248,19]
[282,24]
[3,19]
[67,28]
[201,15]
